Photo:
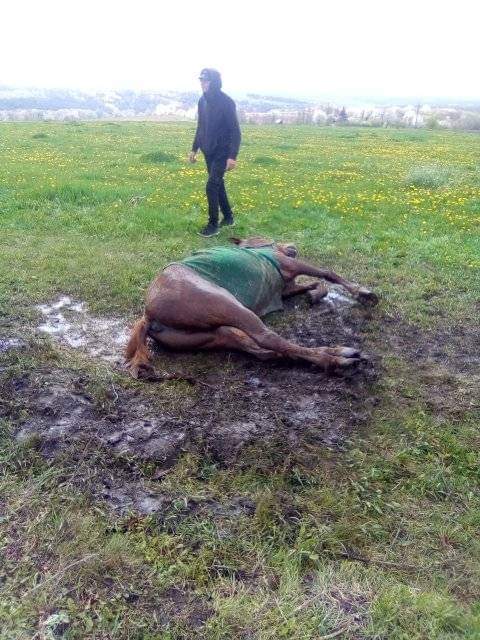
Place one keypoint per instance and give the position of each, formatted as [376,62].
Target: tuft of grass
[157,157]
[265,160]
[401,612]
[38,136]
[429,176]
[78,195]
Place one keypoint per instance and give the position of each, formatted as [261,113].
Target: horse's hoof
[348,352]
[344,363]
[367,298]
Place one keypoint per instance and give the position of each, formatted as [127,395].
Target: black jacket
[218,132]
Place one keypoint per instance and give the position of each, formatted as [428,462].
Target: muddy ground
[283,409]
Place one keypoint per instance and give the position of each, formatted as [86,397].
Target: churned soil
[236,403]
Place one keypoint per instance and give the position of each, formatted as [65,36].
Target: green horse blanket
[252,275]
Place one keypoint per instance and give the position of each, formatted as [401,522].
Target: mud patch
[69,323]
[187,607]
[61,411]
[146,497]
[456,349]
[246,401]
[336,298]
[292,406]
[445,364]
[257,414]
[280,409]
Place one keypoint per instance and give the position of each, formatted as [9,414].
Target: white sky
[344,47]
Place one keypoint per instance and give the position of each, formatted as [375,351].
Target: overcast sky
[348,47]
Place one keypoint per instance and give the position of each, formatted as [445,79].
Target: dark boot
[210,230]
[228,221]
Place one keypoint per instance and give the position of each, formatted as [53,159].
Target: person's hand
[231,164]
[192,157]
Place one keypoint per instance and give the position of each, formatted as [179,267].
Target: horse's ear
[235,240]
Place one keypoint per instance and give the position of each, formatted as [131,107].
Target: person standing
[218,137]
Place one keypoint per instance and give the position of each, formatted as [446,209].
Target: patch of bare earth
[445,362]
[284,409]
[239,401]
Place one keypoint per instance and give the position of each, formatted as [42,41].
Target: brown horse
[185,310]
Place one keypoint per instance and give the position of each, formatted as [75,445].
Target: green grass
[381,539]
[157,157]
[265,160]
[429,177]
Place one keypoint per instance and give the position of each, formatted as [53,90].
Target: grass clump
[402,612]
[78,195]
[265,160]
[429,177]
[157,157]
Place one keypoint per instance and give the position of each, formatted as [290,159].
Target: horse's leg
[233,338]
[221,338]
[299,268]
[326,357]
[294,289]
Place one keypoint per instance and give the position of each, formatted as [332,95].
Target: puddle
[337,298]
[68,322]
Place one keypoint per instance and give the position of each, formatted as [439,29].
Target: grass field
[376,538]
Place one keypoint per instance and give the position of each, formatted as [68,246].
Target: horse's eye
[291,252]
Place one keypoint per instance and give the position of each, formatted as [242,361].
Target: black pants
[216,193]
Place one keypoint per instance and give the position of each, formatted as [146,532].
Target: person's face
[205,84]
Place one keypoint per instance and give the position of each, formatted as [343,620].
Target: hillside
[27,104]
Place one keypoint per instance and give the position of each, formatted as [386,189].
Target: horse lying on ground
[216,297]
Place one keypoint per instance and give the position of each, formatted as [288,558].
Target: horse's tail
[137,355]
